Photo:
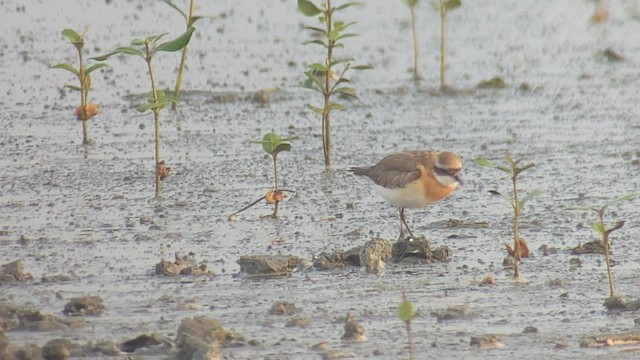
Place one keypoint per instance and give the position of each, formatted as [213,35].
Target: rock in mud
[201,337]
[14,271]
[338,259]
[267,265]
[417,251]
[57,349]
[489,341]
[458,312]
[374,254]
[353,331]
[84,305]
[337,354]
[24,318]
[108,347]
[615,303]
[592,247]
[283,308]
[631,338]
[142,341]
[300,322]
[183,265]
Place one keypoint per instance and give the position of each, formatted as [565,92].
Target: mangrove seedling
[412,10]
[604,232]
[272,144]
[323,76]
[156,100]
[513,171]
[406,312]
[444,8]
[189,19]
[86,109]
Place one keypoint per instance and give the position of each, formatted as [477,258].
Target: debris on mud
[14,271]
[84,305]
[201,338]
[183,265]
[493,83]
[489,341]
[592,247]
[546,250]
[457,312]
[267,265]
[632,338]
[353,331]
[142,341]
[417,251]
[57,349]
[338,259]
[24,318]
[374,254]
[283,308]
[300,322]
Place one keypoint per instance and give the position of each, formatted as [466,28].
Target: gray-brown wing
[393,171]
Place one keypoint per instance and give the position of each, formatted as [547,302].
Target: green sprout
[322,76]
[444,8]
[86,110]
[189,19]
[603,231]
[156,100]
[513,171]
[273,145]
[412,10]
[406,313]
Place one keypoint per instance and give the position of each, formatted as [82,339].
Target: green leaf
[93,67]
[346,91]
[597,227]
[333,35]
[410,3]
[361,67]
[316,29]
[67,67]
[405,311]
[336,106]
[316,41]
[451,4]
[630,196]
[177,43]
[72,36]
[316,109]
[127,50]
[336,61]
[153,38]
[73,87]
[318,67]
[583,208]
[137,42]
[346,36]
[346,5]
[533,193]
[176,8]
[484,162]
[307,8]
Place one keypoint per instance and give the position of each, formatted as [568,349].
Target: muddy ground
[90,213]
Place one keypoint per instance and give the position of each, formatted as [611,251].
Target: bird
[413,179]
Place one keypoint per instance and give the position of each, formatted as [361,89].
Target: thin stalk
[275,182]
[516,217]
[605,239]
[156,118]
[412,10]
[409,331]
[442,40]
[83,99]
[183,58]
[326,134]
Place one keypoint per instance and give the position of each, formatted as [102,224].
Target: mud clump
[283,308]
[23,318]
[489,341]
[14,271]
[631,338]
[142,341]
[84,305]
[183,265]
[417,251]
[57,349]
[338,259]
[353,331]
[201,338]
[592,247]
[374,254]
[267,265]
[458,312]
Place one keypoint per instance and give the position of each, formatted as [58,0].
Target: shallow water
[80,209]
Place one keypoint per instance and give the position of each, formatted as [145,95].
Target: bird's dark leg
[403,224]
